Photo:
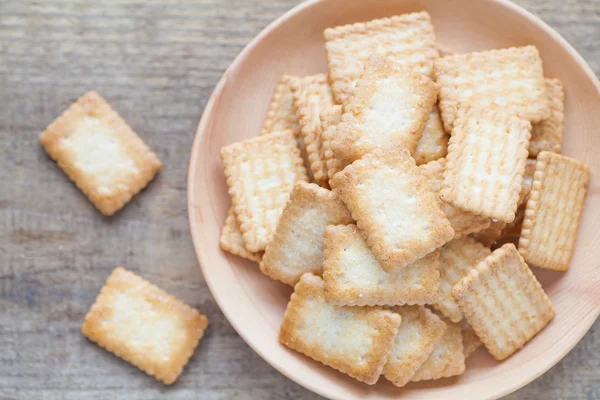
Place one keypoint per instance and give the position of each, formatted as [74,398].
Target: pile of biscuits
[392,193]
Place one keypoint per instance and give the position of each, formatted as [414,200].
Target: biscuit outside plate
[407,40]
[553,211]
[396,211]
[353,276]
[261,173]
[503,302]
[100,153]
[297,245]
[353,340]
[419,333]
[144,325]
[434,140]
[509,79]
[486,162]
[548,133]
[232,241]
[390,107]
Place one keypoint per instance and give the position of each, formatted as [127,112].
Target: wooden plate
[293,44]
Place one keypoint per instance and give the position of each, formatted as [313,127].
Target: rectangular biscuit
[297,245]
[353,277]
[396,211]
[434,140]
[486,162]
[312,95]
[407,40]
[353,340]
[100,153]
[553,211]
[509,79]
[330,119]
[281,115]
[261,173]
[144,325]
[232,240]
[503,302]
[471,341]
[547,134]
[390,107]
[463,222]
[447,359]
[419,333]
[457,259]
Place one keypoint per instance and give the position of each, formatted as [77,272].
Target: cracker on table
[390,107]
[312,95]
[509,79]
[232,240]
[144,325]
[463,222]
[486,162]
[503,302]
[353,276]
[297,245]
[407,40]
[434,140]
[330,119]
[100,153]
[457,259]
[548,133]
[353,340]
[447,359]
[282,114]
[471,341]
[553,211]
[419,333]
[396,211]
[261,173]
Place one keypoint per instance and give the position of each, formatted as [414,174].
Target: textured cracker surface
[232,241]
[281,115]
[548,133]
[330,120]
[434,139]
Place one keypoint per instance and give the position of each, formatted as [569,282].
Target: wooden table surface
[157,63]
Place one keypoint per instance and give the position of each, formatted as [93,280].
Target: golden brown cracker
[548,133]
[281,115]
[330,119]
[433,144]
[471,341]
[232,240]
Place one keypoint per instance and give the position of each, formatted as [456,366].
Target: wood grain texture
[156,62]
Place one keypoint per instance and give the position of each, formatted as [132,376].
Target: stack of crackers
[403,195]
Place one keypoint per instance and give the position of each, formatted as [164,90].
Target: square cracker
[471,341]
[312,95]
[100,153]
[447,359]
[353,340]
[463,222]
[420,332]
[261,173]
[297,245]
[330,119]
[548,133]
[396,211]
[457,259]
[486,162]
[509,79]
[406,39]
[144,325]
[434,140]
[232,240]
[503,302]
[390,107]
[553,211]
[353,276]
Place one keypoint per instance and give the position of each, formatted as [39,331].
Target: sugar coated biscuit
[330,119]
[407,40]
[297,245]
[353,276]
[457,259]
[232,240]
[261,173]
[553,211]
[471,341]
[420,332]
[144,325]
[354,340]
[548,133]
[503,302]
[434,140]
[390,107]
[509,79]
[396,211]
[486,162]
[463,222]
[100,153]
